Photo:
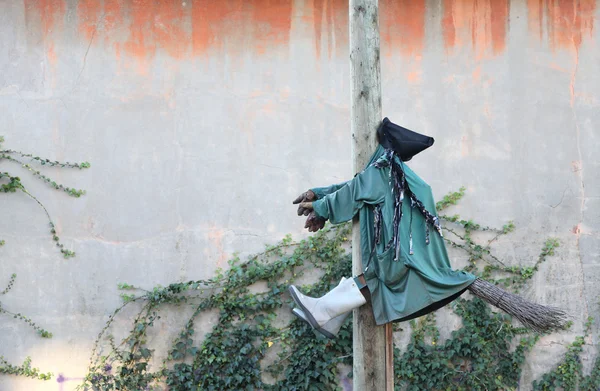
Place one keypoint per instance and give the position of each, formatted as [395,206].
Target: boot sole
[311,320]
[319,330]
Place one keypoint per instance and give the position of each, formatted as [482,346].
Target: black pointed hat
[404,142]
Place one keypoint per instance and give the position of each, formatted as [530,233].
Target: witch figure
[406,269]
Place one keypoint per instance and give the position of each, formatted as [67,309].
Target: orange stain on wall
[480,24]
[155,24]
[49,16]
[96,17]
[141,28]
[208,18]
[113,16]
[568,22]
[271,21]
[329,18]
[402,26]
[500,15]
[256,24]
[89,13]
[50,12]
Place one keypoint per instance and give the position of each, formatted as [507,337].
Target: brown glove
[306,197]
[314,222]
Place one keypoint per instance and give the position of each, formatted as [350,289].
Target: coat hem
[426,310]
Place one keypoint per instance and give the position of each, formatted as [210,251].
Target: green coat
[415,284]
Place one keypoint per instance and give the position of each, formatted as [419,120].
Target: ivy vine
[12,184]
[235,355]
[42,332]
[230,357]
[568,374]
[24,370]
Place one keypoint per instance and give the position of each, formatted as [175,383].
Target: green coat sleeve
[321,192]
[368,187]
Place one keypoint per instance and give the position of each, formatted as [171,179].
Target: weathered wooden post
[373,346]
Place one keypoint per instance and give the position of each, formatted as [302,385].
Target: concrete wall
[203,119]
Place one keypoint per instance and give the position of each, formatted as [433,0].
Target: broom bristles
[536,317]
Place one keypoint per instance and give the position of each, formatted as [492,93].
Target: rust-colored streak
[276,18]
[568,22]
[147,25]
[480,24]
[535,17]
[273,21]
[48,16]
[139,43]
[448,24]
[112,16]
[167,28]
[256,24]
[500,14]
[141,28]
[88,12]
[97,18]
[318,10]
[155,24]
[403,26]
[210,21]
[49,12]
[330,21]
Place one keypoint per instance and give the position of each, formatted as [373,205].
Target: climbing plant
[12,184]
[43,333]
[568,374]
[24,369]
[249,348]
[231,356]
[478,356]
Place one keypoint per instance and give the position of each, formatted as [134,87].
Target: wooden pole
[373,345]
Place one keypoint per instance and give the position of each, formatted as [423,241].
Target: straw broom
[536,317]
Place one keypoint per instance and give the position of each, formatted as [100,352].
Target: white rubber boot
[329,329]
[319,311]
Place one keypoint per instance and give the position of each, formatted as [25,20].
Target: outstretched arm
[321,192]
[313,195]
[368,187]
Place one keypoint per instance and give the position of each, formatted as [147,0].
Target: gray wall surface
[203,120]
